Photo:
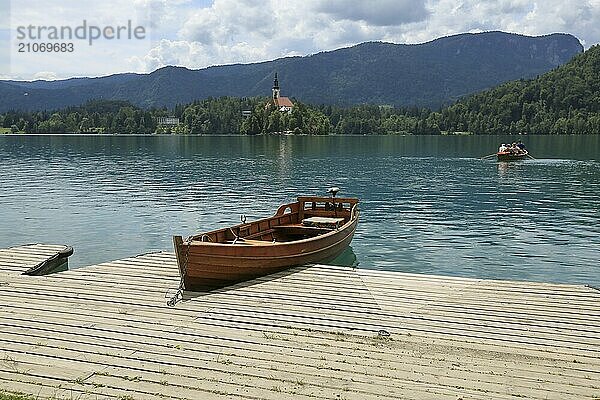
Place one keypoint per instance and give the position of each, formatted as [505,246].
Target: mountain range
[431,74]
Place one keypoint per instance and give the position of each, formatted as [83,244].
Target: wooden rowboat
[511,156]
[310,230]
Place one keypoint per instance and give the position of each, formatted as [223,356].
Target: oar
[488,156]
[533,158]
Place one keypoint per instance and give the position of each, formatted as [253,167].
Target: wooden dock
[105,332]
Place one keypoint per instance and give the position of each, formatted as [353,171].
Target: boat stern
[179,248]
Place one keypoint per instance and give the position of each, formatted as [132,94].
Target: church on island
[283,104]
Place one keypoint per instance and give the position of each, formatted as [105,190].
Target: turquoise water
[429,205]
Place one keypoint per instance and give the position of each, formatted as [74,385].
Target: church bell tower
[275,88]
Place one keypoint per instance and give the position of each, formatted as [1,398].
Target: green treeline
[221,116]
[94,117]
[565,100]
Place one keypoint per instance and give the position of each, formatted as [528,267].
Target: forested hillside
[563,101]
[566,100]
[425,75]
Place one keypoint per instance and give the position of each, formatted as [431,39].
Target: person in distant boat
[502,148]
[521,146]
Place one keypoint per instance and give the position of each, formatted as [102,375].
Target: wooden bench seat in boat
[250,242]
[323,222]
[299,229]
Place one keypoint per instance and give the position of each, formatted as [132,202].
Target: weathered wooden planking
[105,332]
[561,338]
[562,341]
[18,259]
[234,306]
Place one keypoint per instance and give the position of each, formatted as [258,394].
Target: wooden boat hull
[206,265]
[506,156]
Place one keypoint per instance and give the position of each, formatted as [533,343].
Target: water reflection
[429,205]
[505,167]
[346,259]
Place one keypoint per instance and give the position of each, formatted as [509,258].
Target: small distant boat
[310,230]
[511,156]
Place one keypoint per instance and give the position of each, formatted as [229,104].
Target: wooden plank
[305,333]
[362,272]
[343,361]
[528,306]
[26,320]
[41,388]
[18,259]
[44,387]
[554,346]
[230,369]
[96,329]
[348,319]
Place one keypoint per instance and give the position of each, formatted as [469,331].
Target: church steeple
[281,103]
[275,88]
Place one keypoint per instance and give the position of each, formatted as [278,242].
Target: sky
[201,33]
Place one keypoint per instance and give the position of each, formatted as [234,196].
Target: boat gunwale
[283,256]
[354,214]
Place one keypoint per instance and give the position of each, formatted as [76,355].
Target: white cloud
[578,17]
[228,20]
[375,12]
[102,58]
[200,33]
[45,75]
[196,54]
[245,31]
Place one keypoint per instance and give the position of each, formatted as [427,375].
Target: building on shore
[168,121]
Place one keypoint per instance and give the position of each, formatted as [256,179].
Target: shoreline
[458,134]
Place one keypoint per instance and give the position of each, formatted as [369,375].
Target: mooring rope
[179,293]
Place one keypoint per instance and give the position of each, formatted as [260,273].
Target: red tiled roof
[284,102]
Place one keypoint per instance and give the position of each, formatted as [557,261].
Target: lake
[428,204]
